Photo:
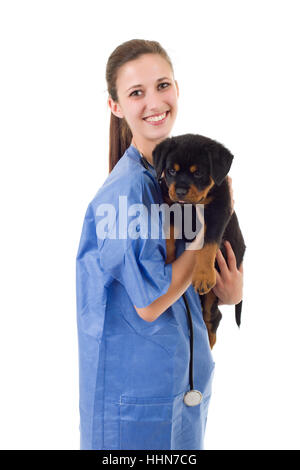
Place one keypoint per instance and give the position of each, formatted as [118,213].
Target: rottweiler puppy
[192,169]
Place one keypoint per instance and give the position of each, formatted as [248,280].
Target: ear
[159,155]
[115,107]
[220,160]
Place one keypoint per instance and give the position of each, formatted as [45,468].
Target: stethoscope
[192,397]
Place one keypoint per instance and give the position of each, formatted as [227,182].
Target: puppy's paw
[203,281]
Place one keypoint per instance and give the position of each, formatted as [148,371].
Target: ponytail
[120,137]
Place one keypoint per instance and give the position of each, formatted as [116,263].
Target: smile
[154,120]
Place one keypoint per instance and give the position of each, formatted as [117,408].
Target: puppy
[192,169]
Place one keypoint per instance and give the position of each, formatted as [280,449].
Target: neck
[145,149]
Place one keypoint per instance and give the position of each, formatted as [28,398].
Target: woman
[133,332]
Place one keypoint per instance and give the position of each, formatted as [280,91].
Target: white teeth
[157,118]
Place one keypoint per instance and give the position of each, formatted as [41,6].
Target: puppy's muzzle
[181,192]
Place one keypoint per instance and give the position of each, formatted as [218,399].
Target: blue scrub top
[133,374]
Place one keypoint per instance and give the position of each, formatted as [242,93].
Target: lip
[180,201]
[185,201]
[157,123]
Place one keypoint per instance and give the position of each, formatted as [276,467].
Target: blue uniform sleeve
[137,261]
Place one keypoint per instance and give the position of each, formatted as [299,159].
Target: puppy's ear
[159,155]
[220,159]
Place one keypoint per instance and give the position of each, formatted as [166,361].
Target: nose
[154,102]
[181,192]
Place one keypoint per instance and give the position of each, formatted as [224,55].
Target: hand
[229,285]
[231,193]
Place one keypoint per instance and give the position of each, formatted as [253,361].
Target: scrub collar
[135,154]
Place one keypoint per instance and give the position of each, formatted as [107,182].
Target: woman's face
[146,88]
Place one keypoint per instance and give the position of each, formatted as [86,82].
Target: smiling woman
[134,340]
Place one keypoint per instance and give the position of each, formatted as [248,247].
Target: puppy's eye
[201,179]
[171,172]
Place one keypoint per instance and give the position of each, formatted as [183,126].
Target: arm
[182,269]
[182,273]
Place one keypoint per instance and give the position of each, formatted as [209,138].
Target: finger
[230,183]
[218,288]
[232,206]
[241,268]
[215,291]
[231,259]
[222,264]
[219,279]
[231,193]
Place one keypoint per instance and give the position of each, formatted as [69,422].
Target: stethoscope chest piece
[192,398]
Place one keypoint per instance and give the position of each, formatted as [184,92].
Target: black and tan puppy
[194,170]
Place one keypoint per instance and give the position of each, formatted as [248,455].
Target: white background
[237,65]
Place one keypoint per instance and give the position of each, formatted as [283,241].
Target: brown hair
[120,135]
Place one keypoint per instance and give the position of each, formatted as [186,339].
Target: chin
[161,133]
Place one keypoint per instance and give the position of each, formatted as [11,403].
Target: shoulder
[124,180]
[129,189]
[136,187]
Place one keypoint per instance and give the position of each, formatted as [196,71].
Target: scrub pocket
[149,423]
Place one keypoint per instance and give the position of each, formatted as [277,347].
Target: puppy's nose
[181,192]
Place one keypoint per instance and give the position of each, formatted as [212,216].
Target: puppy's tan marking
[210,307]
[176,167]
[172,192]
[193,196]
[203,194]
[204,274]
[193,168]
[170,246]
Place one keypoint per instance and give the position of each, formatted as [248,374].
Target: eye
[171,172]
[136,91]
[201,178]
[164,83]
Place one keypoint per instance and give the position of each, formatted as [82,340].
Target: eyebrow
[158,80]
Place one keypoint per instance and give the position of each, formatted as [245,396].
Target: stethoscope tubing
[190,322]
[188,314]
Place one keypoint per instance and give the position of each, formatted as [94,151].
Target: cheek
[133,111]
[167,177]
[172,99]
